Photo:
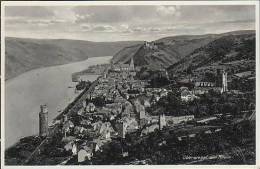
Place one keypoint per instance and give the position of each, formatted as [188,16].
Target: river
[50,85]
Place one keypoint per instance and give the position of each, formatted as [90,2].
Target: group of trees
[19,152]
[159,81]
[243,84]
[207,104]
[173,151]
[170,103]
[111,153]
[83,84]
[165,148]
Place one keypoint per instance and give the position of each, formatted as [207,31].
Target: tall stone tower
[162,121]
[224,82]
[43,121]
[121,129]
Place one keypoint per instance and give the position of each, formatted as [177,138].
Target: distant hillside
[233,51]
[126,53]
[169,50]
[26,54]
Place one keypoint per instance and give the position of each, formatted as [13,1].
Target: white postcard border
[102,3]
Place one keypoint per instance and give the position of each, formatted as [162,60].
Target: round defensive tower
[43,121]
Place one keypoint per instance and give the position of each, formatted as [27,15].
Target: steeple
[132,66]
[224,82]
[162,121]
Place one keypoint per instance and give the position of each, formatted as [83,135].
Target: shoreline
[48,66]
[53,88]
[39,68]
[64,111]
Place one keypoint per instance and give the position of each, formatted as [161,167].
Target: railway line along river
[50,85]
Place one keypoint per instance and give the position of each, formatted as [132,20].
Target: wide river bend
[50,85]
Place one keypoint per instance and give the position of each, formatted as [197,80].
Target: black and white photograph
[129,83]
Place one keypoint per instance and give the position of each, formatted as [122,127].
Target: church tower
[43,121]
[162,121]
[224,82]
[132,66]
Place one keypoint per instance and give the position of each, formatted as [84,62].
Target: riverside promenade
[72,108]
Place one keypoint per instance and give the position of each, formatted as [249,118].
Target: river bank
[25,93]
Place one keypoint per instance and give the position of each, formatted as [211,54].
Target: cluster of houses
[123,111]
[94,125]
[117,106]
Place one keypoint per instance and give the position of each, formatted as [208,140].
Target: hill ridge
[170,50]
[24,54]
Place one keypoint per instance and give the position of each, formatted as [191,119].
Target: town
[122,119]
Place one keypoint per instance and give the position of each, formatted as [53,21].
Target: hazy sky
[116,23]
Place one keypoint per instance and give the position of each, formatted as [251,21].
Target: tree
[210,76]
